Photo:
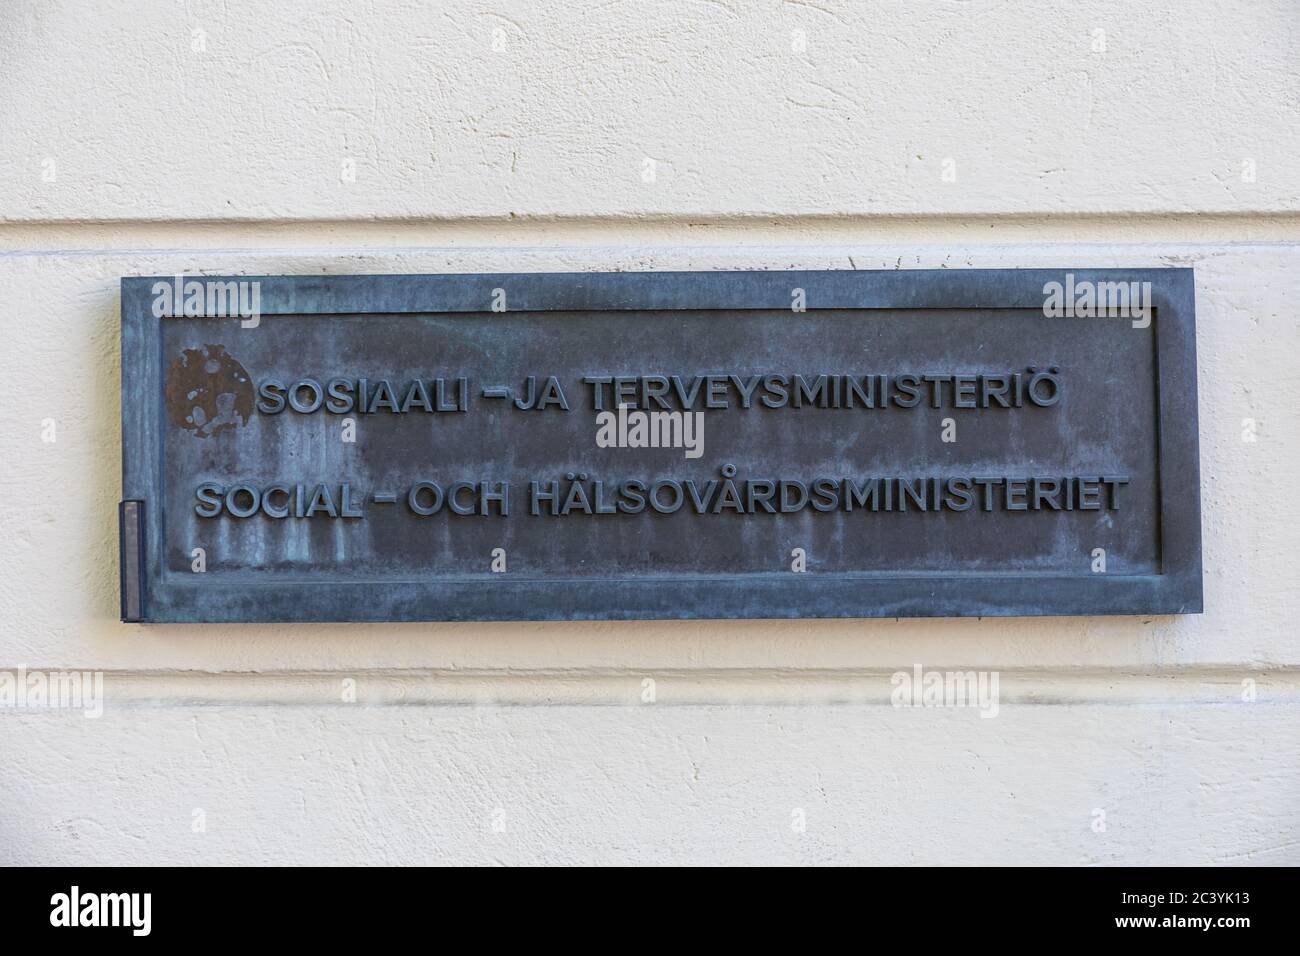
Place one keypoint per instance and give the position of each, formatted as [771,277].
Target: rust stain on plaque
[208,391]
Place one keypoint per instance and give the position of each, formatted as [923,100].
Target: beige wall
[125,151]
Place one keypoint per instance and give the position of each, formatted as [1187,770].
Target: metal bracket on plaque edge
[130,549]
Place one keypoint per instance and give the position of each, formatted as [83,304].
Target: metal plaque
[659,445]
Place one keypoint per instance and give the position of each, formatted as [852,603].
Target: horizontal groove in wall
[1196,686]
[702,216]
[234,235]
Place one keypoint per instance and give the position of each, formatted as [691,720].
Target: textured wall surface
[150,137]
[206,109]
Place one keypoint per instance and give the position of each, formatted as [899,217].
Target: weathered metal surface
[981,498]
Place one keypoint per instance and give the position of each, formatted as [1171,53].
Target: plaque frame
[150,593]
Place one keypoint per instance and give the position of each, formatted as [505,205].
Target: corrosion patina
[646,445]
